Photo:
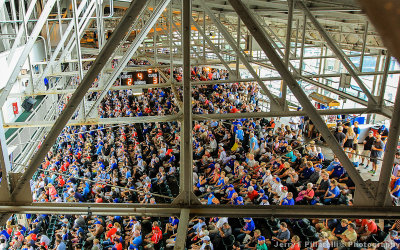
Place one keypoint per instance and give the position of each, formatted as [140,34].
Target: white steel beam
[60,45]
[20,33]
[17,63]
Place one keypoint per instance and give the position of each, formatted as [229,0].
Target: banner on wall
[15,107]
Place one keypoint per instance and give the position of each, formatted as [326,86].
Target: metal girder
[21,31]
[239,53]
[17,63]
[255,115]
[97,89]
[381,100]
[338,52]
[186,196]
[130,52]
[123,26]
[94,121]
[84,21]
[60,45]
[165,210]
[5,166]
[259,36]
[390,151]
[213,47]
[182,231]
[336,91]
[168,118]
[287,46]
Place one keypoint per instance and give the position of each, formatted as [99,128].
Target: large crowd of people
[241,161]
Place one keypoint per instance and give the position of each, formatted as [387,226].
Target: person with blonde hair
[295,243]
[322,243]
[349,140]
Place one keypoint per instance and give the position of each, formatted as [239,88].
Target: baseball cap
[285,188]
[261,238]
[264,197]
[247,218]
[240,198]
[206,238]
[393,233]
[278,179]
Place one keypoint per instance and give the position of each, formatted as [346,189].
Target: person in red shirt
[117,244]
[251,194]
[295,243]
[154,237]
[368,228]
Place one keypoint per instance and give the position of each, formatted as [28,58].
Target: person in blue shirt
[240,133]
[172,225]
[136,241]
[231,191]
[288,200]
[337,172]
[396,188]
[248,227]
[333,164]
[308,171]
[254,147]
[211,199]
[332,192]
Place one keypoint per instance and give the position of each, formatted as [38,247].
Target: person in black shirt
[340,136]
[376,153]
[368,141]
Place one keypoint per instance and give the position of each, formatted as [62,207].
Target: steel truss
[370,202]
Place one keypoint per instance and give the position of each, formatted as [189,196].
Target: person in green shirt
[261,244]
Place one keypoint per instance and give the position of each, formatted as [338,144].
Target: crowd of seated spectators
[241,161]
[118,232]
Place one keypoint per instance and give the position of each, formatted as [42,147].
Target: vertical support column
[171,36]
[297,38]
[238,45]
[59,21]
[287,50]
[383,198]
[186,170]
[186,196]
[384,79]
[303,41]
[364,45]
[182,230]
[204,41]
[25,27]
[79,54]
[5,166]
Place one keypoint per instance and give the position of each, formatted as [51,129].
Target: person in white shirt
[294,122]
[206,241]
